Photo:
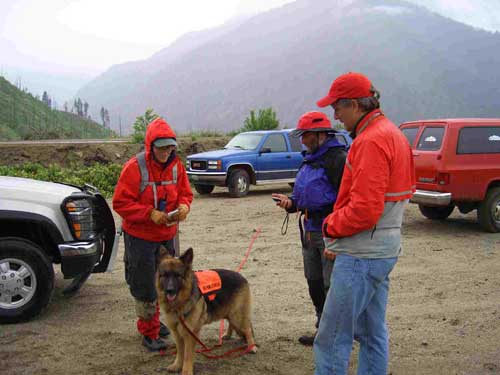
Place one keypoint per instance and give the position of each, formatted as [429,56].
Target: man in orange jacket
[151,184]
[364,230]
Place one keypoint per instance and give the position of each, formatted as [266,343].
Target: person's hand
[284,202]
[330,255]
[183,212]
[158,217]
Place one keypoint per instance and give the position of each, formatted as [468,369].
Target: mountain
[424,65]
[22,116]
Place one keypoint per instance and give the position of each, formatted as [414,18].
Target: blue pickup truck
[250,158]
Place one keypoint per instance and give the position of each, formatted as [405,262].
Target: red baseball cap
[312,122]
[347,86]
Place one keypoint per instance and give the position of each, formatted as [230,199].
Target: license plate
[194,177]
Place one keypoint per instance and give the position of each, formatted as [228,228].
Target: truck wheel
[26,280]
[239,183]
[488,213]
[436,213]
[204,189]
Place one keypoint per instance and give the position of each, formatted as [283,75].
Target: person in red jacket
[363,231]
[152,184]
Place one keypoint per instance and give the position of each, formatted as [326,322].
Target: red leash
[238,269]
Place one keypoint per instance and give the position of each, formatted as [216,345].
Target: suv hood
[217,154]
[34,190]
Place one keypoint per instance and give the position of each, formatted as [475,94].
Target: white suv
[45,223]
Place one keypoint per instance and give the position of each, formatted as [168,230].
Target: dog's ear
[165,252]
[187,257]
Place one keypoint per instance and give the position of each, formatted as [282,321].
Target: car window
[275,142]
[410,134]
[431,139]
[479,140]
[295,143]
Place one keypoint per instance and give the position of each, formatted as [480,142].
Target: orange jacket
[379,168]
[135,208]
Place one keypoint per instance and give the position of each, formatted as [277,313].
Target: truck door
[428,157]
[273,160]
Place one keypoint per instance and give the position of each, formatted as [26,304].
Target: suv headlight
[215,164]
[188,164]
[80,215]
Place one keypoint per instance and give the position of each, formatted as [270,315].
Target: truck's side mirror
[265,150]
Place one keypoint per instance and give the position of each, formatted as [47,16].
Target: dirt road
[444,312]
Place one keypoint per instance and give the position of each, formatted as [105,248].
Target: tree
[102,113]
[85,108]
[106,119]
[265,120]
[45,98]
[140,125]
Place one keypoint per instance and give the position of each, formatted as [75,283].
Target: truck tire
[436,213]
[26,280]
[204,189]
[488,213]
[239,183]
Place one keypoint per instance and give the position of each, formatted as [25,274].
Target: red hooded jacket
[135,207]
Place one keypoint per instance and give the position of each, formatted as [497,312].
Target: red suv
[457,163]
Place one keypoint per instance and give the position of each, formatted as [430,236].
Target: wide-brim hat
[312,122]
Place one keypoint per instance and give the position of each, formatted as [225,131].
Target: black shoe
[307,340]
[164,332]
[153,345]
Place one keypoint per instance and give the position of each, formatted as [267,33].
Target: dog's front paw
[253,350]
[187,371]
[174,367]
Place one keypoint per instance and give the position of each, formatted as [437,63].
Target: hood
[328,144]
[34,190]
[156,129]
[217,154]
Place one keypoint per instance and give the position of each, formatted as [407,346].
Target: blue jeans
[355,309]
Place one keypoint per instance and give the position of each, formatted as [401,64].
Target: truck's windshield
[245,141]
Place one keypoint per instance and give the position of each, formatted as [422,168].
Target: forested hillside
[24,117]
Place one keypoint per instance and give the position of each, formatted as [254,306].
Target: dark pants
[317,269]
[140,266]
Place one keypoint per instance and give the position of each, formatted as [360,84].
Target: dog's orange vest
[209,282]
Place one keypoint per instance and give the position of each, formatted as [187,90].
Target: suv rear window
[410,134]
[479,140]
[276,143]
[431,139]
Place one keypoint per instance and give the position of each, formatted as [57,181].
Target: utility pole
[120,124]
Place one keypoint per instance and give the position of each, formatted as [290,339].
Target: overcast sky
[91,35]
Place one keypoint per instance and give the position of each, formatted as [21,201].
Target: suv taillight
[443,178]
[79,213]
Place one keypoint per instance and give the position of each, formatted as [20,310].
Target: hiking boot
[164,332]
[153,345]
[307,340]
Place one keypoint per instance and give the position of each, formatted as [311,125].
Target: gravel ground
[444,309]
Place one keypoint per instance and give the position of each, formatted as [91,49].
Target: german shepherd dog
[178,295]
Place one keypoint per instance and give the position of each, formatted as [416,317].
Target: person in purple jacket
[314,194]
